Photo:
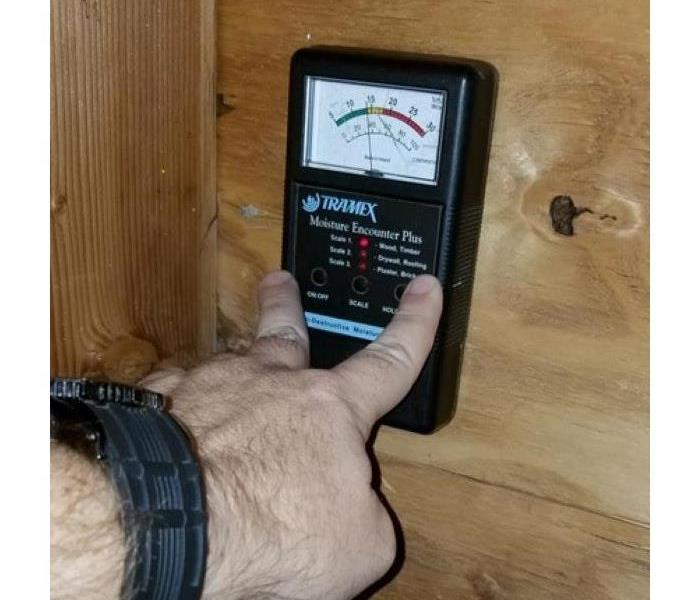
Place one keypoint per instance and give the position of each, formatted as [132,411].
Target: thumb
[381,374]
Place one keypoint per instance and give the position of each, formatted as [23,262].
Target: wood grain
[551,432]
[470,540]
[133,204]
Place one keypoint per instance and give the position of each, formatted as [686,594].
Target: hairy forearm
[88,545]
[87,541]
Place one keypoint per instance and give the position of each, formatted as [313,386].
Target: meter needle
[369,137]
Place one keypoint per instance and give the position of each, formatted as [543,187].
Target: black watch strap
[158,479]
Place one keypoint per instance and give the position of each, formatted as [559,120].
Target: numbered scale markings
[380,131]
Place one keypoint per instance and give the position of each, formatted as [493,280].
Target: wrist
[227,562]
[88,546]
[244,558]
[152,466]
[252,509]
[230,570]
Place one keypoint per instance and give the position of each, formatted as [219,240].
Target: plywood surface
[470,540]
[133,201]
[541,481]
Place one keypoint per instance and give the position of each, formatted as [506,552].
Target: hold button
[399,290]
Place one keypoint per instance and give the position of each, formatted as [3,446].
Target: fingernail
[275,278]
[421,285]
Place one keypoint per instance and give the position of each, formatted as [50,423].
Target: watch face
[372,129]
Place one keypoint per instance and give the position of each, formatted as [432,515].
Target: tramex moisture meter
[386,168]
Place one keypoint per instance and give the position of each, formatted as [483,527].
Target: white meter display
[381,131]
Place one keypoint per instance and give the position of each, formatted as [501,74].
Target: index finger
[380,375]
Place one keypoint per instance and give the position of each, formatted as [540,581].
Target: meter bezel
[387,69]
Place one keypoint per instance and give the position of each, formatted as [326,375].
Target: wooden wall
[133,201]
[539,487]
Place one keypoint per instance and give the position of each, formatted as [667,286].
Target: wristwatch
[156,474]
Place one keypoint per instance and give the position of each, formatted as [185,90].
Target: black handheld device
[385,175]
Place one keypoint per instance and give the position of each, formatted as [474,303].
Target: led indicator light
[362,267]
[363,242]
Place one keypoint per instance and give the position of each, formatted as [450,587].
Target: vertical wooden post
[133,205]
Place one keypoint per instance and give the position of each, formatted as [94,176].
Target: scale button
[360,284]
[319,276]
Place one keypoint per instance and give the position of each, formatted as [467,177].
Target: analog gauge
[374,130]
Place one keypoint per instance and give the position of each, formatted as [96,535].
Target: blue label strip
[342,326]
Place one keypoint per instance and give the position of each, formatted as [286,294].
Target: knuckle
[390,353]
[321,385]
[329,391]
[283,338]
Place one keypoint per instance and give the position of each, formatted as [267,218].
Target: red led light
[363,242]
[362,267]
[363,253]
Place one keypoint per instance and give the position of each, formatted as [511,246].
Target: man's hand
[292,512]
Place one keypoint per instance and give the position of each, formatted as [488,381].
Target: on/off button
[319,276]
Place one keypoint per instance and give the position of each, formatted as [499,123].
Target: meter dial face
[379,131]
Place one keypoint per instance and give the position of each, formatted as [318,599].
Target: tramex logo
[311,203]
[348,206]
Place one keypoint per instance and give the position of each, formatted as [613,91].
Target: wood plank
[469,540]
[133,207]
[554,397]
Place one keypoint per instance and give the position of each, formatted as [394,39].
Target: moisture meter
[385,175]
